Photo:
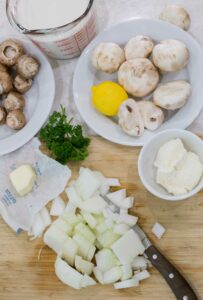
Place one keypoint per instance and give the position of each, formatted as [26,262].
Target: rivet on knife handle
[175,280]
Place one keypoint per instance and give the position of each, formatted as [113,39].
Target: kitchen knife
[175,280]
[180,287]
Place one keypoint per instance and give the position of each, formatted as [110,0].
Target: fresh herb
[65,141]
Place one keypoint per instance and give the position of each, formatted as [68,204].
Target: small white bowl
[147,171]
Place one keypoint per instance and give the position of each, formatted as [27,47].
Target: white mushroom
[16,119]
[152,115]
[170,55]
[172,95]
[108,57]
[130,119]
[138,76]
[176,15]
[139,47]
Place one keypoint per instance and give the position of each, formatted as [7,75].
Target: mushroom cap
[172,95]
[22,85]
[139,77]
[152,115]
[3,68]
[176,15]
[130,119]
[14,101]
[2,115]
[10,51]
[139,47]
[170,55]
[6,83]
[108,57]
[16,119]
[27,66]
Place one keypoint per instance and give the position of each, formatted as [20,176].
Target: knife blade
[178,284]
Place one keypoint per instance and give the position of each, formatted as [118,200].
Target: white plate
[85,76]
[39,100]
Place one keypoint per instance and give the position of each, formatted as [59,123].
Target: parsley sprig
[65,141]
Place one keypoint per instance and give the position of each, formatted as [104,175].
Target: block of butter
[23,179]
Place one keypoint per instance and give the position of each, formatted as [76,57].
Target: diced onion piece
[98,275]
[69,250]
[55,238]
[113,182]
[83,244]
[98,245]
[110,215]
[127,284]
[63,225]
[37,227]
[87,281]
[127,203]
[71,207]
[158,230]
[87,184]
[112,275]
[104,185]
[127,272]
[85,231]
[124,211]
[114,208]
[58,207]
[142,275]
[121,228]
[139,263]
[109,223]
[107,238]
[128,247]
[91,252]
[67,274]
[106,260]
[45,217]
[95,205]
[83,266]
[117,197]
[127,219]
[71,218]
[89,218]
[100,228]
[73,196]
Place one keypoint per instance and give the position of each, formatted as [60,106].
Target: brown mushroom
[2,115]
[5,83]
[27,66]
[16,119]
[14,101]
[3,68]
[22,85]
[10,51]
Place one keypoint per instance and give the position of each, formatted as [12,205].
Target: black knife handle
[175,280]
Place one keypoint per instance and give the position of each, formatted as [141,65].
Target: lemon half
[107,97]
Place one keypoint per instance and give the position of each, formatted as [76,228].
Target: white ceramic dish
[147,171]
[85,76]
[39,100]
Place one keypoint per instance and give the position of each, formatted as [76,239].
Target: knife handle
[175,280]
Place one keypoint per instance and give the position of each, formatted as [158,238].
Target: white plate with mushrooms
[27,90]
[173,84]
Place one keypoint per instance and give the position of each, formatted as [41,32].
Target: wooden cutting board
[23,277]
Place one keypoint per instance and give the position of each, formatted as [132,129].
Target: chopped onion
[87,281]
[100,228]
[128,247]
[83,244]
[73,196]
[95,205]
[108,214]
[127,219]
[87,183]
[71,207]
[69,250]
[139,263]
[45,217]
[63,225]
[158,230]
[124,211]
[104,185]
[71,218]
[98,275]
[142,275]
[127,202]
[112,275]
[57,207]
[67,274]
[107,238]
[127,272]
[121,228]
[106,260]
[83,266]
[113,182]
[55,238]
[85,231]
[91,252]
[117,197]
[89,218]
[38,227]
[127,284]
[109,223]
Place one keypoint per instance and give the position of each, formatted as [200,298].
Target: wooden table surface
[23,277]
